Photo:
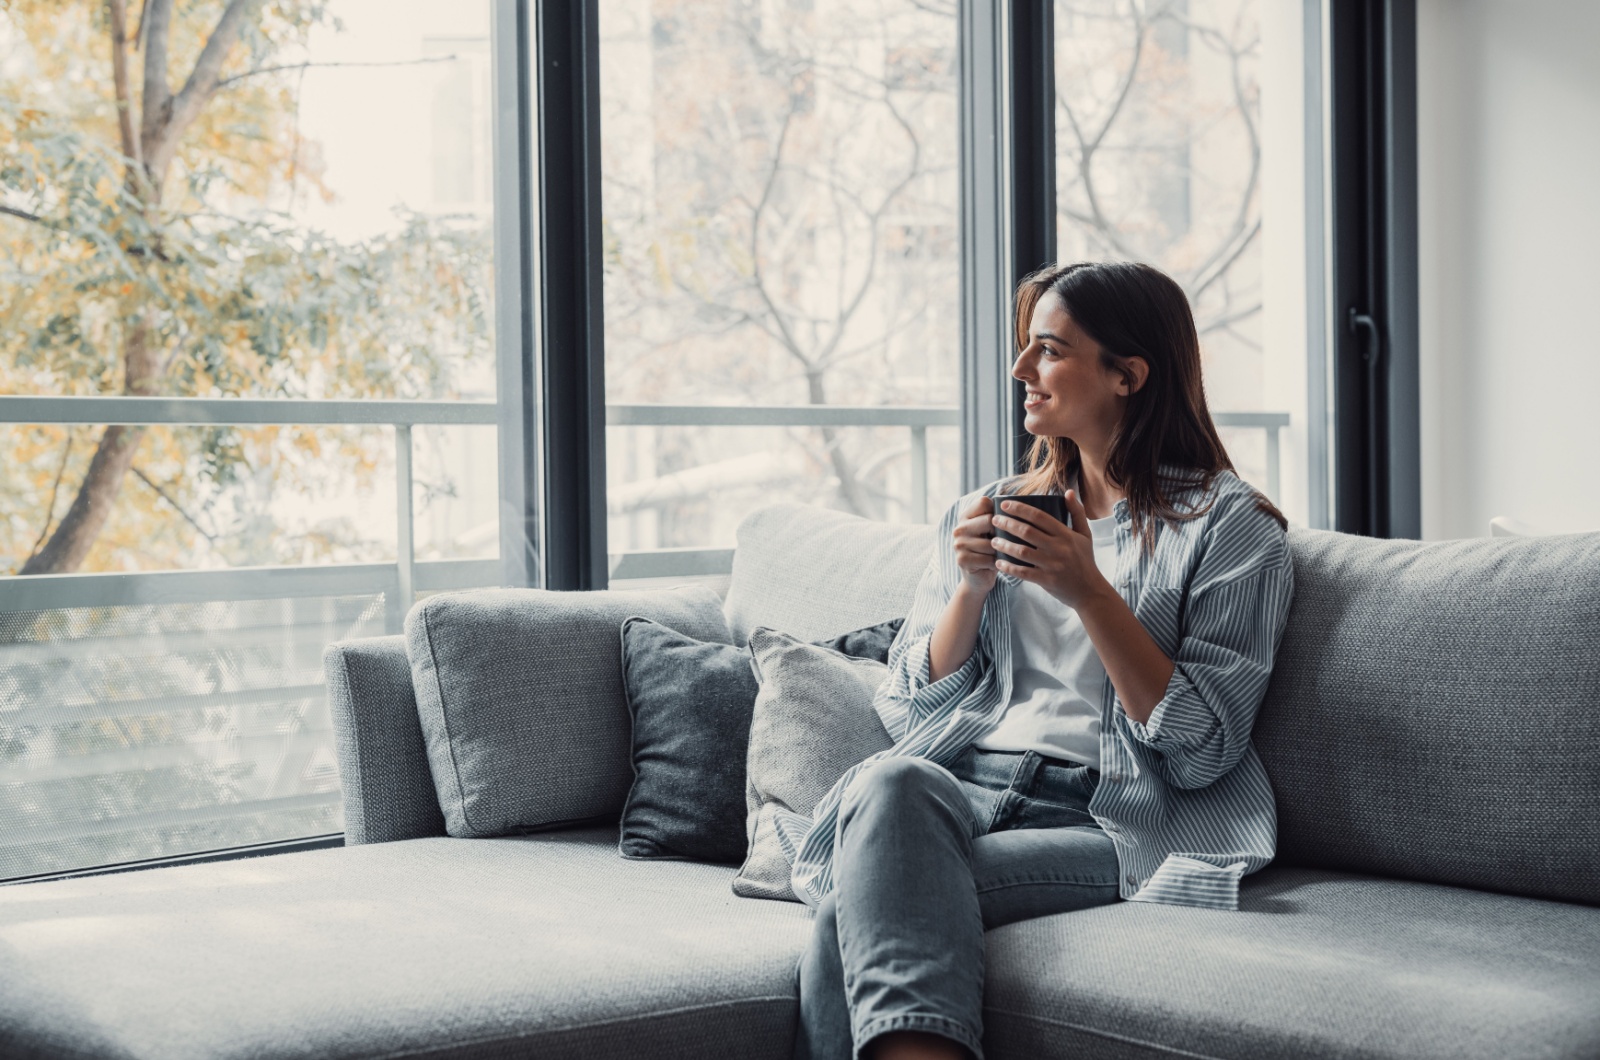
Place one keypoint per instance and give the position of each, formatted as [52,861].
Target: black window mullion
[1033,166]
[572,332]
[1376,414]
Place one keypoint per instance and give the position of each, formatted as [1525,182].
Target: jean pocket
[1051,813]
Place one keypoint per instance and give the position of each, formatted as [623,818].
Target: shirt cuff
[920,665]
[1205,880]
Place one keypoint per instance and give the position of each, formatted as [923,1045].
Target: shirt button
[1133,881]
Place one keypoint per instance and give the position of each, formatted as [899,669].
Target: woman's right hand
[974,553]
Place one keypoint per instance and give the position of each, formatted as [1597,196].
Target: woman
[1067,733]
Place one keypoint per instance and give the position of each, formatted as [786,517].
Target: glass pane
[289,495]
[316,236]
[456,493]
[138,732]
[780,207]
[1181,142]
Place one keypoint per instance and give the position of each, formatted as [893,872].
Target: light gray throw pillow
[521,699]
[813,720]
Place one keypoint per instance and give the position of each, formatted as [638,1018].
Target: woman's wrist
[1100,595]
[971,596]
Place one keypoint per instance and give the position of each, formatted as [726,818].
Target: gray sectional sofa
[1431,730]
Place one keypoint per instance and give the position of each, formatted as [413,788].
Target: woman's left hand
[1062,556]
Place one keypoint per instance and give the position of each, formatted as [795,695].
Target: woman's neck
[1099,497]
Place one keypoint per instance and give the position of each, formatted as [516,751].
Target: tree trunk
[69,544]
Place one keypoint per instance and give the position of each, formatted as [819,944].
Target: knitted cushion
[521,699]
[1434,711]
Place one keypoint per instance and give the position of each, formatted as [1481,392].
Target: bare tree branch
[164,495]
[1232,255]
[227,81]
[1247,195]
[785,336]
[1089,145]
[12,211]
[185,107]
[874,229]
[1224,323]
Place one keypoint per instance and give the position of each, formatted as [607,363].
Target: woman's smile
[1035,398]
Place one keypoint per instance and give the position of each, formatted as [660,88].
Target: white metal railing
[401,580]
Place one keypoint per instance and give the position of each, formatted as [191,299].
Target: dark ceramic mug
[1053,503]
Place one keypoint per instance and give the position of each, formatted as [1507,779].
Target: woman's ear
[1135,372]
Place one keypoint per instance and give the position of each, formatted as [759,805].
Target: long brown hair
[1134,310]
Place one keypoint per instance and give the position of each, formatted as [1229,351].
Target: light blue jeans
[927,859]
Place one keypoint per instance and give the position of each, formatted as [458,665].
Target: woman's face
[1070,393]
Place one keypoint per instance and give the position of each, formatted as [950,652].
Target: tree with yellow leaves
[137,151]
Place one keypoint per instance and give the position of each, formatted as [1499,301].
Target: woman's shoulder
[1231,517]
[1243,526]
[1225,494]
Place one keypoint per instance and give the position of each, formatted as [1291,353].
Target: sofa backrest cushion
[1434,712]
[814,573]
[521,699]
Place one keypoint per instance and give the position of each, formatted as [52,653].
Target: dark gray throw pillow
[691,702]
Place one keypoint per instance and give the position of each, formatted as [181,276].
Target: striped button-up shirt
[1183,795]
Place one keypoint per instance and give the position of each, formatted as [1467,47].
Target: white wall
[1509,227]
[1283,236]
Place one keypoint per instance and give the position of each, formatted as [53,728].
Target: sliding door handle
[1372,354]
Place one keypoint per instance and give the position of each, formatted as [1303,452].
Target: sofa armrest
[383,764]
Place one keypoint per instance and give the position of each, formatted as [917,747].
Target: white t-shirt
[1058,680]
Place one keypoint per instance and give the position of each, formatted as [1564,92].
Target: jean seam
[913,1021]
[1002,806]
[1033,882]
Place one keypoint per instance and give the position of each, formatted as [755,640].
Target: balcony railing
[401,580]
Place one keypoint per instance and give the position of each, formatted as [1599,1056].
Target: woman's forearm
[955,635]
[1135,664]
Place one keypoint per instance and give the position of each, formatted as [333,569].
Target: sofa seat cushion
[1316,964]
[546,945]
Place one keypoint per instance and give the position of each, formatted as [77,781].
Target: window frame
[1373,339]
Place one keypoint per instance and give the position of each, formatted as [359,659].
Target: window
[780,198]
[303,262]
[1181,139]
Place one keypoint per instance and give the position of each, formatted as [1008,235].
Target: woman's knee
[897,782]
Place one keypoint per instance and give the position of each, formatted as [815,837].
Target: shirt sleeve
[1234,615]
[907,696]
